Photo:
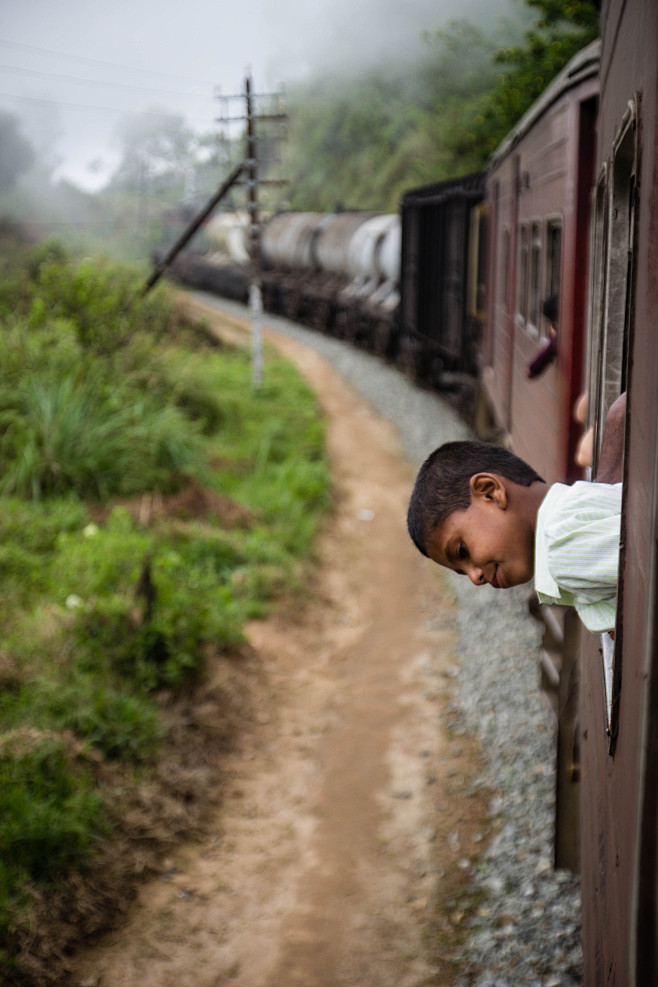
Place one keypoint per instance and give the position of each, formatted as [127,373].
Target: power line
[6,43]
[20,70]
[94,106]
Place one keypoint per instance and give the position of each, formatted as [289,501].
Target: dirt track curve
[339,855]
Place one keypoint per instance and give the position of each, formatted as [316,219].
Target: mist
[71,71]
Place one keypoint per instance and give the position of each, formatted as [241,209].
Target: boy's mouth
[497,581]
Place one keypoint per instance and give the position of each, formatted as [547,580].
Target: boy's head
[473,511]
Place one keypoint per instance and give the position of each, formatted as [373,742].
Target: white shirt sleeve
[582,541]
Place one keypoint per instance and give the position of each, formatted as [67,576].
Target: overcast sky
[73,68]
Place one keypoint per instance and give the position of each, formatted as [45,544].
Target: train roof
[582,66]
[467,186]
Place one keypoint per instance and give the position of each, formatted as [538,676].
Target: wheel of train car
[270,296]
[383,339]
[341,319]
[291,304]
[409,358]
[350,324]
[322,318]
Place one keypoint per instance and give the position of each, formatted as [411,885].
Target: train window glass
[597,291]
[483,235]
[534,307]
[553,263]
[477,262]
[504,270]
[522,301]
[618,275]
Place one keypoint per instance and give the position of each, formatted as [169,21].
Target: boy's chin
[521,580]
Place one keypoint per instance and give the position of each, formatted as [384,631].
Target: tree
[560,29]
[17,152]
[158,147]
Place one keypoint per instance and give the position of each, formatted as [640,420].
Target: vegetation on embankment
[151,502]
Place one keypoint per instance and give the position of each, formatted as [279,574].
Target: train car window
[477,262]
[522,300]
[504,270]
[483,239]
[553,261]
[619,263]
[596,373]
[622,204]
[597,290]
[610,327]
[534,307]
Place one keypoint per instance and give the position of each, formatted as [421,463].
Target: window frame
[552,270]
[612,282]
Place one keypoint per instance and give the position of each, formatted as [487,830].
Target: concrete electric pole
[259,108]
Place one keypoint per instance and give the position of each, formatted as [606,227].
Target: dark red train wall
[619,817]
[538,188]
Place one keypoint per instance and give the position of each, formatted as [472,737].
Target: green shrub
[49,813]
[164,647]
[66,434]
[50,819]
[121,725]
[29,535]
[48,252]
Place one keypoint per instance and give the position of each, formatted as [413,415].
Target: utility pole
[255,289]
[246,172]
[275,115]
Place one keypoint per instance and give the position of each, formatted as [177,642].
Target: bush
[49,814]
[50,819]
[160,641]
[120,725]
[66,434]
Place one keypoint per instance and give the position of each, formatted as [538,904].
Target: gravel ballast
[526,931]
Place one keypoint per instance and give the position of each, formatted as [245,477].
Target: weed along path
[340,855]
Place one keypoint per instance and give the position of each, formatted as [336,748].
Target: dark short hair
[443,482]
[550,308]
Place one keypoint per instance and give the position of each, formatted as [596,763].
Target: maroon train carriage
[619,711]
[538,189]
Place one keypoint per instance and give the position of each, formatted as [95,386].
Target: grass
[113,414]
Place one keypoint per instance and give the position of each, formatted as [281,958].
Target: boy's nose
[476,575]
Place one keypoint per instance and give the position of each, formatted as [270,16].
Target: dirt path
[339,854]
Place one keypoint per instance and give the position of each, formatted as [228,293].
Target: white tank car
[228,235]
[331,244]
[372,262]
[287,239]
[365,247]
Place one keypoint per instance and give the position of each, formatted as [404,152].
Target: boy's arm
[611,457]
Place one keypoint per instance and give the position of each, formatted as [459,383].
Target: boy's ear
[489,487]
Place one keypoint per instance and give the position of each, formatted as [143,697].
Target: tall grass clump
[70,433]
[50,819]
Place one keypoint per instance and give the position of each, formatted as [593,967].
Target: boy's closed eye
[462,552]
